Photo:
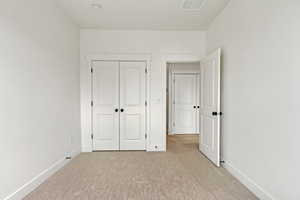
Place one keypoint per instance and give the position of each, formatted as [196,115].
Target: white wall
[39,84]
[157,43]
[261,69]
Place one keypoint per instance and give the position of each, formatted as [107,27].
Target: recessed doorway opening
[193,99]
[183,98]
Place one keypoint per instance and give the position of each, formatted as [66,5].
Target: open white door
[210,107]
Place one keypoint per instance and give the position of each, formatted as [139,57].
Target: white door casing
[198,103]
[132,106]
[185,104]
[210,107]
[105,98]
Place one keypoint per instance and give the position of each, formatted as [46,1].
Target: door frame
[172,58]
[86,103]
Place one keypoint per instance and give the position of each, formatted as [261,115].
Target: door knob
[116,110]
[216,113]
[195,107]
[122,110]
[198,107]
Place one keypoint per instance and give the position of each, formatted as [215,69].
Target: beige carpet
[182,173]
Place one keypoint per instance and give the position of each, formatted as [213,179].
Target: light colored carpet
[182,173]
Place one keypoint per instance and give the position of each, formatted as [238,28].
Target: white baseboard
[86,149]
[170,133]
[75,153]
[249,183]
[151,148]
[39,179]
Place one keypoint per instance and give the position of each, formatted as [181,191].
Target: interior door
[210,107]
[105,94]
[185,104]
[132,105]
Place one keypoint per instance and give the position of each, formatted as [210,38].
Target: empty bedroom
[149,100]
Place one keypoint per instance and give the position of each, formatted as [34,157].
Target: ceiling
[142,14]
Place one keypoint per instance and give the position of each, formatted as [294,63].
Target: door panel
[132,127]
[208,83]
[185,98]
[105,101]
[207,127]
[104,126]
[132,100]
[210,102]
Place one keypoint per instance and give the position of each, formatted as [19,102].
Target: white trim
[119,57]
[39,179]
[170,93]
[172,58]
[88,146]
[194,72]
[248,182]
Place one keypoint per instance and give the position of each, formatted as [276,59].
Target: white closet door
[106,101]
[185,104]
[210,107]
[132,105]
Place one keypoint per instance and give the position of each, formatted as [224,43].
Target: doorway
[183,98]
[189,109]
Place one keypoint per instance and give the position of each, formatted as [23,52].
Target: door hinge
[146,135]
[92,103]
[92,70]
[146,103]
[92,136]
[173,123]
[146,70]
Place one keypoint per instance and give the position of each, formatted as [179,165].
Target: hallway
[180,173]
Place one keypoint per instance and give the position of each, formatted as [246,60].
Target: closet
[119,105]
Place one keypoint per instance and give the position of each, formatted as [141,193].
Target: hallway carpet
[181,173]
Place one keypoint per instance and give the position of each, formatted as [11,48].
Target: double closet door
[119,112]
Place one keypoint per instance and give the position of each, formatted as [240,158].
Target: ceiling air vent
[192,4]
